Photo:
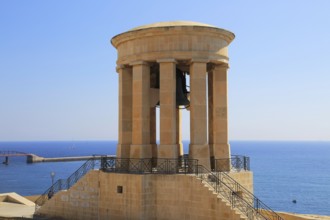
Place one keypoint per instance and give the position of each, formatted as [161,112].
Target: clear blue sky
[58,78]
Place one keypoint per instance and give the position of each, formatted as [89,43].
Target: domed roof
[172,24]
[175,25]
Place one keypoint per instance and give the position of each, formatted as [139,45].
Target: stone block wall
[245,178]
[101,195]
[79,202]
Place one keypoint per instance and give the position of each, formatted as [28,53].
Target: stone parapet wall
[245,178]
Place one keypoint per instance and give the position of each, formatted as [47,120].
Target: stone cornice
[121,66]
[162,31]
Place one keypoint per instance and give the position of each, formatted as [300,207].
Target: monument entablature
[179,40]
[181,64]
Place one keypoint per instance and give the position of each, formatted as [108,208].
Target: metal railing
[238,197]
[148,165]
[65,184]
[236,163]
[262,208]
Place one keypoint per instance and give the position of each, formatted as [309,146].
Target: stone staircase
[226,202]
[235,196]
[239,214]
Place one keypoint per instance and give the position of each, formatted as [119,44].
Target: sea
[283,171]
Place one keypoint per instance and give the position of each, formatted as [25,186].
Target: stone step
[211,186]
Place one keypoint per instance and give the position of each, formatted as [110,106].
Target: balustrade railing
[148,165]
[235,163]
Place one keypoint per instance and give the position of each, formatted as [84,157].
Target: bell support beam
[199,148]
[168,147]
[125,111]
[141,147]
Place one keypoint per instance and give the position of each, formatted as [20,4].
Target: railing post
[104,162]
[237,160]
[168,166]
[216,184]
[256,204]
[60,183]
[184,166]
[152,162]
[246,163]
[93,162]
[232,200]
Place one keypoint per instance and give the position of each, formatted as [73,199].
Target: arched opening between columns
[182,116]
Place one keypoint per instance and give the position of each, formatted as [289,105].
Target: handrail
[236,195]
[64,184]
[247,195]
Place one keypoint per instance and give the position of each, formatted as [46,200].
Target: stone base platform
[100,195]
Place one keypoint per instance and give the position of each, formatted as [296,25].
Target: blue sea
[283,171]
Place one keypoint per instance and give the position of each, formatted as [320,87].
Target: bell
[181,89]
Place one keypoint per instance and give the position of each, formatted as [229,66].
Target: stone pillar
[179,132]
[168,147]
[125,112]
[141,147]
[198,149]
[221,148]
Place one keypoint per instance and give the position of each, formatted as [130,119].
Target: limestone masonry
[162,49]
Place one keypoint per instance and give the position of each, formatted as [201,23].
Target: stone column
[125,112]
[179,132]
[141,147]
[198,149]
[168,147]
[221,148]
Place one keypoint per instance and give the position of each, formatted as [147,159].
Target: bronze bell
[181,89]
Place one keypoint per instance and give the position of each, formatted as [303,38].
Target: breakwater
[32,158]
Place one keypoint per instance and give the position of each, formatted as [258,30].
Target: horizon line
[100,140]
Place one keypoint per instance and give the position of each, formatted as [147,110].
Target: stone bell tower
[149,58]
[155,65]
